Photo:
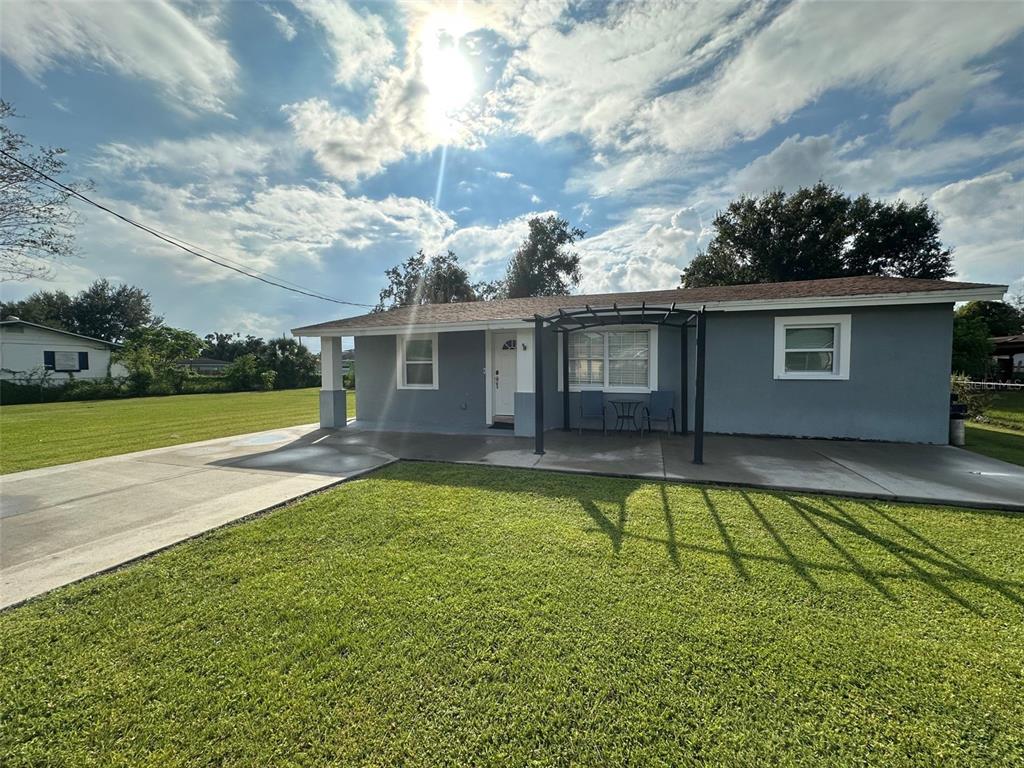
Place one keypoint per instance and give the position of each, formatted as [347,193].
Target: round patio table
[625,412]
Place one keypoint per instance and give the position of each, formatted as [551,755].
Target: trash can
[957,414]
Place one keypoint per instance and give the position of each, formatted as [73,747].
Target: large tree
[544,265]
[819,232]
[37,222]
[103,310]
[420,279]
[1001,318]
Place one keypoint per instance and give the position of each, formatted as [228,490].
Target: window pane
[419,349]
[586,372]
[586,344]
[627,373]
[628,345]
[65,361]
[419,373]
[804,362]
[810,338]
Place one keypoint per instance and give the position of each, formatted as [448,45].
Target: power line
[263,277]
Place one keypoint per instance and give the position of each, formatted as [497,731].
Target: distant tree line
[974,325]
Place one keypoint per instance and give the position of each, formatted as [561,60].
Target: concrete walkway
[60,524]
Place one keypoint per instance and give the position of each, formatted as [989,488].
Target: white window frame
[652,359]
[840,353]
[401,362]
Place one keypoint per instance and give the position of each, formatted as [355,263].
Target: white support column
[333,402]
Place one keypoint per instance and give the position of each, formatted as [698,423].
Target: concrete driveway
[60,524]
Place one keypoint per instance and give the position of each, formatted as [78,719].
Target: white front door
[503,376]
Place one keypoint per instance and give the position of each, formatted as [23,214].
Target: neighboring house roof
[59,330]
[842,291]
[202,361]
[1008,345]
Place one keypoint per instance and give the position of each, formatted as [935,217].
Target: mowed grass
[42,435]
[1001,435]
[995,441]
[1007,409]
[436,615]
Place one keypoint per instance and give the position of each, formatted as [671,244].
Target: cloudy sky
[322,142]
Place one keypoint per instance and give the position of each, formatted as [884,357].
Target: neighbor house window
[612,360]
[66,361]
[417,362]
[812,347]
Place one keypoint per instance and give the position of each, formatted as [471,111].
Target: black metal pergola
[672,316]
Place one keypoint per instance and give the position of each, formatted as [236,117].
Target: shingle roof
[522,309]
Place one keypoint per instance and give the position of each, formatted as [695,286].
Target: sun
[446,71]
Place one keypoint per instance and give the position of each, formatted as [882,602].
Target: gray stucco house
[861,357]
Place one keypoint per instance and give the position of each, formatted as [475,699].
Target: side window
[812,347]
[417,362]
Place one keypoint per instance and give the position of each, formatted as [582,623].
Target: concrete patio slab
[60,524]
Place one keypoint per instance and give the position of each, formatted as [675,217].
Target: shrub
[976,400]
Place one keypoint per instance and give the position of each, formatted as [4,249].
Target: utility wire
[183,245]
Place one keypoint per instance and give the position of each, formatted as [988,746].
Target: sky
[322,142]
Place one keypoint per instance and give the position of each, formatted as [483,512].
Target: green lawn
[57,433]
[997,442]
[442,615]
[1001,436]
[1007,410]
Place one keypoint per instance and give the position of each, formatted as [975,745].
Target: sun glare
[447,73]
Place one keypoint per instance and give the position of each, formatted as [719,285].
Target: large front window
[417,362]
[610,360]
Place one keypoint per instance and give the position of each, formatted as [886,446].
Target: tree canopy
[544,265]
[438,279]
[37,222]
[1000,318]
[103,310]
[819,232]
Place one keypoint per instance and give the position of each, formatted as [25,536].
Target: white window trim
[652,369]
[400,359]
[840,355]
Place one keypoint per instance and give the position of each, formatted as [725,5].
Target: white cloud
[921,115]
[811,48]
[282,22]
[213,156]
[983,218]
[358,39]
[155,41]
[485,250]
[593,76]
[648,250]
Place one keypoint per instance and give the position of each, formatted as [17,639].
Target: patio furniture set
[630,414]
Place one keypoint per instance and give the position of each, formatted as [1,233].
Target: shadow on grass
[837,527]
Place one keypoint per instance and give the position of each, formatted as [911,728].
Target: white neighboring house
[29,349]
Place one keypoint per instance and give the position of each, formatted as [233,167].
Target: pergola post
[684,376]
[698,405]
[538,384]
[565,381]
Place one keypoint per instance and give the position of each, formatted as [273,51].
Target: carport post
[565,381]
[333,404]
[684,377]
[698,406]
[538,384]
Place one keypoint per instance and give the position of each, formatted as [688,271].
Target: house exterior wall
[898,387]
[458,403]
[21,354]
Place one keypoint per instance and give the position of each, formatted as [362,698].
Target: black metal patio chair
[661,407]
[592,407]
